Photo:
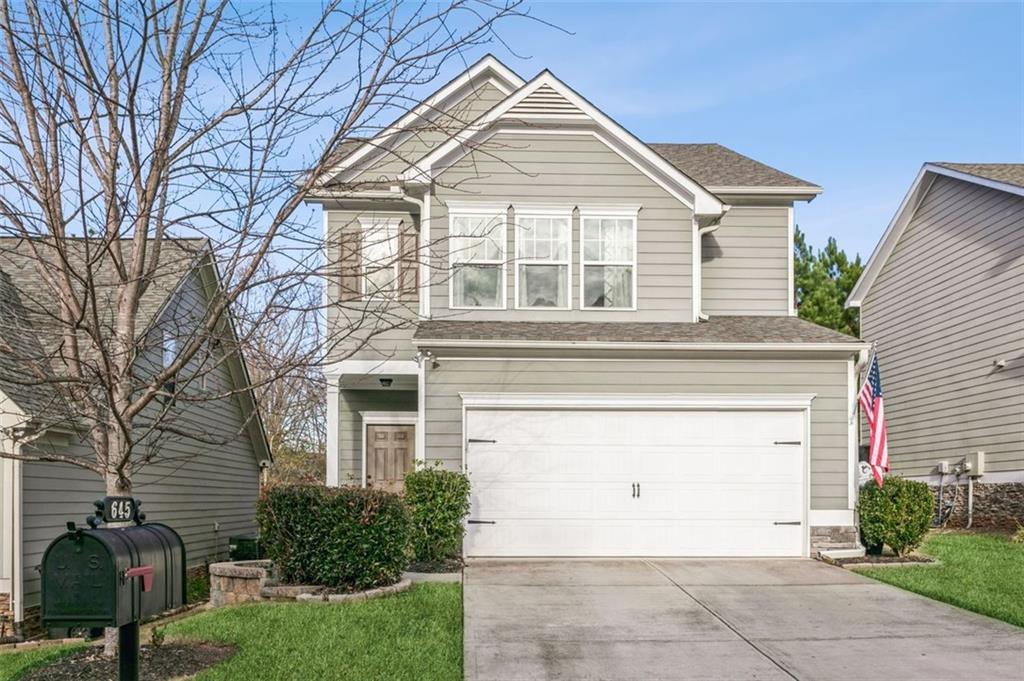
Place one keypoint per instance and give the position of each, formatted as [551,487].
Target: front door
[389,456]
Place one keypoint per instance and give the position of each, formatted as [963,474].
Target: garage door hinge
[788,442]
[784,522]
[474,440]
[480,522]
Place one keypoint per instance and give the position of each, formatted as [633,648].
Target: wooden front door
[389,456]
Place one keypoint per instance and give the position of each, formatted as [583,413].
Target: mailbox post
[113,577]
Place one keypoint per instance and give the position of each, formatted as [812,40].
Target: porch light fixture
[386,382]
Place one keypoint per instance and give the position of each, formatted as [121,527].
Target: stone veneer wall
[834,536]
[6,619]
[997,506]
[237,582]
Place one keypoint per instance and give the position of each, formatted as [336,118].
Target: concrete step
[837,552]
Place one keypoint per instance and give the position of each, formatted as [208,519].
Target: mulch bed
[169,661]
[886,560]
[450,565]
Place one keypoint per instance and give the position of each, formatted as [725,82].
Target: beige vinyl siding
[573,171]
[191,485]
[745,263]
[365,329]
[350,434]
[429,134]
[948,302]
[826,378]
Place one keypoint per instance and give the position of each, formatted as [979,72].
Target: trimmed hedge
[340,537]
[438,501]
[898,514]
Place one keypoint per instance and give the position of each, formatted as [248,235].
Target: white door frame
[652,402]
[385,418]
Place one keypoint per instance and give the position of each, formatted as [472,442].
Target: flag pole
[860,381]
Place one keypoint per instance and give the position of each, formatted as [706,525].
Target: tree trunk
[116,486]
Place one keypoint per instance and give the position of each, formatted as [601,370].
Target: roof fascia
[211,278]
[845,347]
[974,179]
[504,78]
[906,211]
[704,202]
[884,248]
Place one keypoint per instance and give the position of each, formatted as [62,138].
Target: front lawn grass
[17,662]
[979,572]
[414,635]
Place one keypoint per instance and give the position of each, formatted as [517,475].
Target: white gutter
[668,345]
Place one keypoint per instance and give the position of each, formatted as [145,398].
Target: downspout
[700,262]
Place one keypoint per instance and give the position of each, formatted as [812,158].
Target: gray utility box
[109,577]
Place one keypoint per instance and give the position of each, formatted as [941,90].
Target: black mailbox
[109,577]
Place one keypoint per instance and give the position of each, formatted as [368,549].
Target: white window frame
[614,213]
[458,210]
[551,212]
[393,227]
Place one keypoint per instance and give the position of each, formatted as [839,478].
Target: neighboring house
[205,487]
[600,331]
[943,298]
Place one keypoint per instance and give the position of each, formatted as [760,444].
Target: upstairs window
[379,256]
[477,237]
[608,259]
[543,258]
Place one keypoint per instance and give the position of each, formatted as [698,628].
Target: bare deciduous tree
[142,143]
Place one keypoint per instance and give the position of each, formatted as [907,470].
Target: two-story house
[600,331]
[942,297]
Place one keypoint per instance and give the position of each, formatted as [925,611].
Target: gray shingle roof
[32,347]
[739,329]
[713,165]
[1010,173]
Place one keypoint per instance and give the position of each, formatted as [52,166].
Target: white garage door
[635,483]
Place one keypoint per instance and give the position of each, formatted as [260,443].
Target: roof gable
[354,154]
[546,99]
[980,174]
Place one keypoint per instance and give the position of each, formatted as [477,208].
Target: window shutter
[351,265]
[409,266]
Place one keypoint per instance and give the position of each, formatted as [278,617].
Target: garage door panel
[561,482]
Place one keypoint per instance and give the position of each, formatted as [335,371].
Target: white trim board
[829,518]
[589,345]
[904,214]
[370,367]
[635,401]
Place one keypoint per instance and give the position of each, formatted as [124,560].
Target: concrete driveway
[719,619]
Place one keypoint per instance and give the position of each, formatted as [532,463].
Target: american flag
[870,399]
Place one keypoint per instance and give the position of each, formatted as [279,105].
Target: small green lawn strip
[979,572]
[415,635]
[18,662]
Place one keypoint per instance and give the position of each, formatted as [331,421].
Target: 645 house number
[118,509]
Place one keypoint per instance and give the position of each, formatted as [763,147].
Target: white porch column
[333,476]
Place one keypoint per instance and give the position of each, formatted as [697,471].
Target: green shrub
[438,501]
[340,537]
[898,514]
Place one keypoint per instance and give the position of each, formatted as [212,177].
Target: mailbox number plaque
[118,509]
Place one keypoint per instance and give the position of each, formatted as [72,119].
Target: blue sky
[854,97]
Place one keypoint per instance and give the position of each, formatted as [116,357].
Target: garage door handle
[788,522]
[788,442]
[480,522]
[475,440]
